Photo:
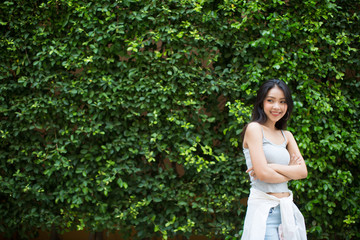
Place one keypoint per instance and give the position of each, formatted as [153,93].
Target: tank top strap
[284,135]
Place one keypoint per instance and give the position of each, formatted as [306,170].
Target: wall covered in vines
[125,115]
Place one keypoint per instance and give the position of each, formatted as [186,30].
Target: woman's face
[275,105]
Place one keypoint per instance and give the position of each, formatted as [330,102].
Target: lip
[276,113]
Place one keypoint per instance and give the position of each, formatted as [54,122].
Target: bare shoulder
[253,126]
[288,135]
[253,133]
[291,142]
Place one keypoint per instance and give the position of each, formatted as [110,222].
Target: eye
[284,102]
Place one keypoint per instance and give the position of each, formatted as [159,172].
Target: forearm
[293,172]
[269,175]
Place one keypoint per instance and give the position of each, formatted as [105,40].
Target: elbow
[262,176]
[305,174]
[302,175]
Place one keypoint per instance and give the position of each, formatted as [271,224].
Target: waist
[279,194]
[259,197]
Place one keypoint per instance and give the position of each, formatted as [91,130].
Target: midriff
[279,194]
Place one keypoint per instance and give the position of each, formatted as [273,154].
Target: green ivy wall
[126,115]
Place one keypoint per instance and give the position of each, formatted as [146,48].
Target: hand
[296,159]
[252,172]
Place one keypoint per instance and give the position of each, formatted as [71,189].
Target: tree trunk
[96,236]
[54,235]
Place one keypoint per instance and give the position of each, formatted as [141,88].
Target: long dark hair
[258,114]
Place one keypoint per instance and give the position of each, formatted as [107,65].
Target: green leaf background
[126,115]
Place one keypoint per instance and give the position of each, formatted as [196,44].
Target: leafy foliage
[126,115]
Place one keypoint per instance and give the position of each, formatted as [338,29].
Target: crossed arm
[273,173]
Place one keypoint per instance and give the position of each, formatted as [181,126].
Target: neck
[270,125]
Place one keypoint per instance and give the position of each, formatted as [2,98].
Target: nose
[276,105]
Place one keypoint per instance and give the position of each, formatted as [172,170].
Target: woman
[271,213]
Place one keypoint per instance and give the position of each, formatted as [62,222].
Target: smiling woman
[273,158]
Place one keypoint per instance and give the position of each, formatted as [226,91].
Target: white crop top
[274,153]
